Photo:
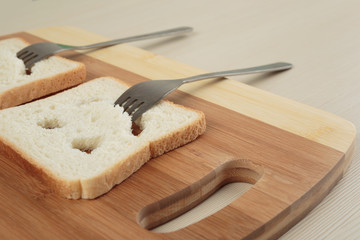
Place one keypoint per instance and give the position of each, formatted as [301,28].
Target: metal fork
[38,51]
[141,97]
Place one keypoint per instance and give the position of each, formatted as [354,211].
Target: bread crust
[68,189]
[96,186]
[44,86]
[180,137]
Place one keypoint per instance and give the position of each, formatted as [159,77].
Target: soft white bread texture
[82,145]
[47,76]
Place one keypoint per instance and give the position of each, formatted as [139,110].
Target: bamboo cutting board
[292,153]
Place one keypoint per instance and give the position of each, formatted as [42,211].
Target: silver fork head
[132,103]
[142,96]
[36,52]
[134,107]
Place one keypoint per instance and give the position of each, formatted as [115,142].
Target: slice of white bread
[81,145]
[47,76]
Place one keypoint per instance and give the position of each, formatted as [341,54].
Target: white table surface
[321,38]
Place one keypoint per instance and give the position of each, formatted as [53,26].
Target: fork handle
[259,69]
[173,31]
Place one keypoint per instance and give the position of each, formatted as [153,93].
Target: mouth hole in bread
[201,199]
[135,129]
[51,123]
[86,145]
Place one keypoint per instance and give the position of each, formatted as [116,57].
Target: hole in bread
[50,123]
[203,198]
[135,129]
[86,145]
[28,71]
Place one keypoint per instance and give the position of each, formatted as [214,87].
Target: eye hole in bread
[86,145]
[51,123]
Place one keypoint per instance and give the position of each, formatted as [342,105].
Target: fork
[141,97]
[38,51]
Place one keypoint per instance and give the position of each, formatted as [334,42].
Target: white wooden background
[321,38]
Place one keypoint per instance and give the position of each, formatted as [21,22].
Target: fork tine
[129,103]
[121,100]
[140,110]
[22,52]
[27,56]
[30,58]
[31,61]
[134,106]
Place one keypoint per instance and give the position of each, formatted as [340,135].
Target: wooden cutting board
[294,154]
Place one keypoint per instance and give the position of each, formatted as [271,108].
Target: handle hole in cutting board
[227,182]
[217,201]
